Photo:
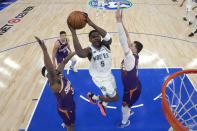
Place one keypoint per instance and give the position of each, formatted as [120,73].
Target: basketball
[77,19]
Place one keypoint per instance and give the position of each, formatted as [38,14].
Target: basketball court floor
[26,103]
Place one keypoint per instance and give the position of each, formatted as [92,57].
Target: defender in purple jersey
[129,70]
[61,87]
[61,50]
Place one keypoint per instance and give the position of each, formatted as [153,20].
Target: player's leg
[194,28]
[129,98]
[103,100]
[108,88]
[71,127]
[59,59]
[102,104]
[73,63]
[126,113]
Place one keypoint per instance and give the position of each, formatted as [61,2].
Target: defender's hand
[118,14]
[41,43]
[90,23]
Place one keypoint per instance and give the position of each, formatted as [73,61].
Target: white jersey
[101,61]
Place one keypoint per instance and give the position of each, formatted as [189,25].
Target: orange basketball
[77,19]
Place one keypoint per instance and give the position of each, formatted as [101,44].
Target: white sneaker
[63,125]
[124,125]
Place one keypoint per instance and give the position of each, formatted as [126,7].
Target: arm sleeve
[107,37]
[129,61]
[122,38]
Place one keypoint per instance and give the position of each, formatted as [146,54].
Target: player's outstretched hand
[118,14]
[41,43]
[90,23]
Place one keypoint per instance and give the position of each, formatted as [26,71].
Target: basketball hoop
[177,101]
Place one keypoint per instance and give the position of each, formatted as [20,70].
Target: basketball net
[179,101]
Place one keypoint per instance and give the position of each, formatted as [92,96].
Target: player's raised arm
[121,32]
[102,32]
[78,49]
[47,62]
[60,68]
[182,3]
[129,42]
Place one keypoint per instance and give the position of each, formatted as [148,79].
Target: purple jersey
[130,78]
[65,96]
[62,51]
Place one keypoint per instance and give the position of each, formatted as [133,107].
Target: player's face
[95,39]
[134,50]
[63,37]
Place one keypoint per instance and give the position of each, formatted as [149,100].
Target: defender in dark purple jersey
[129,70]
[61,87]
[61,50]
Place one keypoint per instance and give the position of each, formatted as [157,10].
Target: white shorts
[106,84]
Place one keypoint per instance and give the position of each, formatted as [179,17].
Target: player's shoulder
[57,43]
[136,55]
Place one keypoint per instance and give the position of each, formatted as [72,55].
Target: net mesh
[179,101]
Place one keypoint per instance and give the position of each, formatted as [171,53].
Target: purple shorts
[68,116]
[132,96]
[60,58]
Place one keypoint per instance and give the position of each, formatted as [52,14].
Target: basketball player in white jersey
[129,70]
[189,6]
[99,55]
[61,50]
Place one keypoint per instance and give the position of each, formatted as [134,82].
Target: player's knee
[69,128]
[124,104]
